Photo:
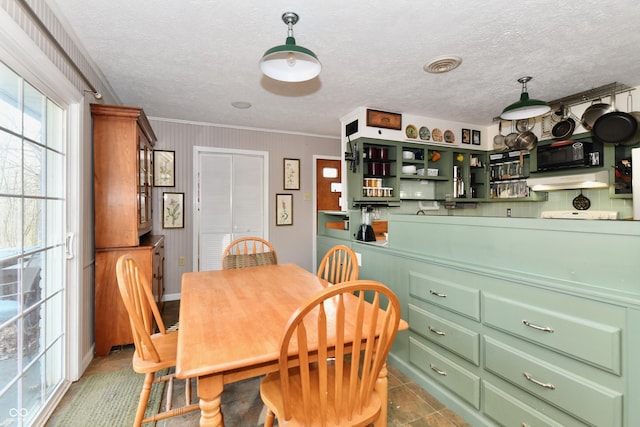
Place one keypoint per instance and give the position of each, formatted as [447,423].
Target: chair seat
[166,345]
[270,391]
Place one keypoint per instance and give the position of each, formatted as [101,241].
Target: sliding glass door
[32,248]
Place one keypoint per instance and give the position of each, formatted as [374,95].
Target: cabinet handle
[539,328]
[537,382]
[436,370]
[435,331]
[438,294]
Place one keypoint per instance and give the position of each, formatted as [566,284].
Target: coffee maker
[365,231]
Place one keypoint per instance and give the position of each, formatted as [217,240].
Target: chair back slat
[336,383]
[140,305]
[339,265]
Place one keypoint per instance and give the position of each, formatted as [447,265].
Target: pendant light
[525,108]
[290,62]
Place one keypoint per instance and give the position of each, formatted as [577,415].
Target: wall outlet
[181,261]
[509,212]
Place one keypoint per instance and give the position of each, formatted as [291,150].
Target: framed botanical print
[164,168]
[291,172]
[172,210]
[284,209]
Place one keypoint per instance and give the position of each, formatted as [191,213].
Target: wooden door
[328,173]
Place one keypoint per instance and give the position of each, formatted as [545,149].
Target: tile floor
[409,404]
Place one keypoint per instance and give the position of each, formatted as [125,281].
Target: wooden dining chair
[339,265]
[334,385]
[154,352]
[248,252]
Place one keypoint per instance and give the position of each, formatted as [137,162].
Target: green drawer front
[584,399]
[509,411]
[584,339]
[457,298]
[460,340]
[453,376]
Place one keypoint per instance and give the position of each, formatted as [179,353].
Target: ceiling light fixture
[290,62]
[525,108]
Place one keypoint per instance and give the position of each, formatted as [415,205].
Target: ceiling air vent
[442,64]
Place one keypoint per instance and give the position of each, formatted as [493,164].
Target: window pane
[10,105]
[9,413]
[329,172]
[55,174]
[32,390]
[10,226]
[33,164]
[34,104]
[32,224]
[55,127]
[55,276]
[10,164]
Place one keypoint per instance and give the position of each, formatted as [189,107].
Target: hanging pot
[592,113]
[526,141]
[615,127]
[564,128]
[510,139]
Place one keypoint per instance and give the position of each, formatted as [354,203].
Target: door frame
[314,197]
[195,203]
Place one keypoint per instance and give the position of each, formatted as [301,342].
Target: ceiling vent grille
[442,64]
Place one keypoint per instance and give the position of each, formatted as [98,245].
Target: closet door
[231,203]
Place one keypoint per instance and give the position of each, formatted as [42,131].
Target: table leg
[382,389]
[210,394]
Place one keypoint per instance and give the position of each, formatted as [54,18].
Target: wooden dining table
[231,323]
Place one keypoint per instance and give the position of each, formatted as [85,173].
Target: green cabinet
[500,341]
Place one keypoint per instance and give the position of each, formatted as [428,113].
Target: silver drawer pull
[537,382]
[540,328]
[438,294]
[435,331]
[436,370]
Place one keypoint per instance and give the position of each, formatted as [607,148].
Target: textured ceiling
[190,59]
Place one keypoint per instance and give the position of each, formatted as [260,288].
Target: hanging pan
[592,113]
[565,127]
[498,140]
[616,127]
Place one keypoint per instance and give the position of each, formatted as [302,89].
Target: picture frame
[284,209]
[383,119]
[466,136]
[475,137]
[172,210]
[291,174]
[164,168]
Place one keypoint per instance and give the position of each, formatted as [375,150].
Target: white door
[230,201]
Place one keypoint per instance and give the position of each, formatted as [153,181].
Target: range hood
[568,182]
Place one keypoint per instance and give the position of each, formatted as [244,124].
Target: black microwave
[569,154]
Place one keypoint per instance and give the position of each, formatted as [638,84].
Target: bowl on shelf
[409,170]
[408,155]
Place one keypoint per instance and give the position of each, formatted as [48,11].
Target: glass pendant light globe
[290,62]
[525,108]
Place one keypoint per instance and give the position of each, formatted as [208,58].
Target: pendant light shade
[290,62]
[525,108]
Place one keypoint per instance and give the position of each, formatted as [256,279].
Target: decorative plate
[449,136]
[437,135]
[411,131]
[424,133]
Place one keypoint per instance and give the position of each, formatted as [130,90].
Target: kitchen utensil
[510,139]
[498,140]
[581,202]
[564,128]
[592,113]
[525,125]
[615,127]
[526,141]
